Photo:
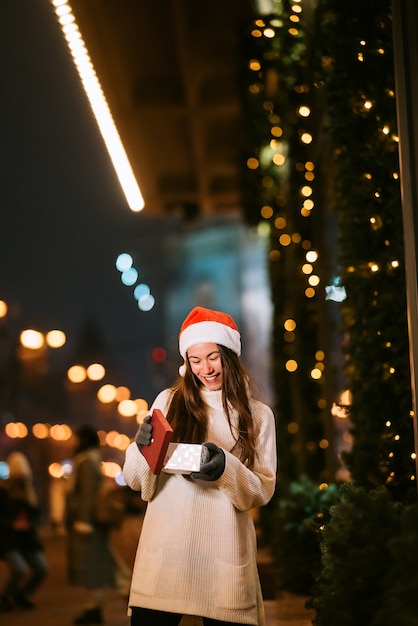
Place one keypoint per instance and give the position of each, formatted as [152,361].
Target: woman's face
[205,363]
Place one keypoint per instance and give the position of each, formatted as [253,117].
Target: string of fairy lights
[370,203]
[286,179]
[283,167]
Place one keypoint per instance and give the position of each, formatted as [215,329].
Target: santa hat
[208,326]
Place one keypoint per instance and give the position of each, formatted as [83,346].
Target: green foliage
[356,79]
[369,575]
[300,512]
[337,62]
[400,602]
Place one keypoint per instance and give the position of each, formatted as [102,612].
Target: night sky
[64,217]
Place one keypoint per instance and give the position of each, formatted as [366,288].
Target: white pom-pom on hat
[208,326]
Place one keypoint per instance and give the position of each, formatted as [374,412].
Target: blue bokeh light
[146,303]
[141,290]
[129,277]
[124,262]
[4,470]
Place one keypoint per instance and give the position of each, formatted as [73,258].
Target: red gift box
[162,434]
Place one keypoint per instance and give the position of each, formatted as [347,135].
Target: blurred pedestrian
[20,543]
[91,563]
[197,549]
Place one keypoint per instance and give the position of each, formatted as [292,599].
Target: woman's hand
[144,434]
[213,464]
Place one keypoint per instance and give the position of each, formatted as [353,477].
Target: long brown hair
[187,413]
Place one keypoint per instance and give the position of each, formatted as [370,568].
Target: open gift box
[183,458]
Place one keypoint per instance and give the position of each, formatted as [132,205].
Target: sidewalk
[58,603]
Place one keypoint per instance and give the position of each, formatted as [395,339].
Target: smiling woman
[197,549]
[205,363]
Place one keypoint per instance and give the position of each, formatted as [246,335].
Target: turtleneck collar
[212,398]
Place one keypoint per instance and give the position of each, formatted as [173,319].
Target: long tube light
[99,105]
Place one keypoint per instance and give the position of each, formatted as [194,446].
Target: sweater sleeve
[251,488]
[137,474]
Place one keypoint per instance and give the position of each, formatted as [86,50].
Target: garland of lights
[357,76]
[288,88]
[280,192]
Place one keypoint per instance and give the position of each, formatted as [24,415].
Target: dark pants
[148,617]
[26,572]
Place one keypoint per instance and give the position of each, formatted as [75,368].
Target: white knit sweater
[197,550]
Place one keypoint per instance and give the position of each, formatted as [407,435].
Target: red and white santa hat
[208,326]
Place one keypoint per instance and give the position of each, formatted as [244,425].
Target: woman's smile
[206,365]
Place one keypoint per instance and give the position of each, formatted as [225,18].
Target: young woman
[197,550]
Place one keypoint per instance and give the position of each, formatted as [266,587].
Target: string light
[98,103]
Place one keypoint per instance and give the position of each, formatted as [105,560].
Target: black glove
[143,436]
[213,463]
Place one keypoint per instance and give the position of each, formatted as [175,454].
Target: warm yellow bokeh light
[127,408]
[96,371]
[304,111]
[16,430]
[107,394]
[3,308]
[32,339]
[290,325]
[40,431]
[279,159]
[254,65]
[316,373]
[122,393]
[121,442]
[252,163]
[141,415]
[269,33]
[311,256]
[77,374]
[56,338]
[266,212]
[285,239]
[306,138]
[111,437]
[60,432]
[141,404]
[111,469]
[56,470]
[291,365]
[314,280]
[306,191]
[276,131]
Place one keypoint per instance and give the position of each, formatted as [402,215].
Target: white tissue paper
[183,458]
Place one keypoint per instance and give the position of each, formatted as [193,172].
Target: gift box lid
[162,434]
